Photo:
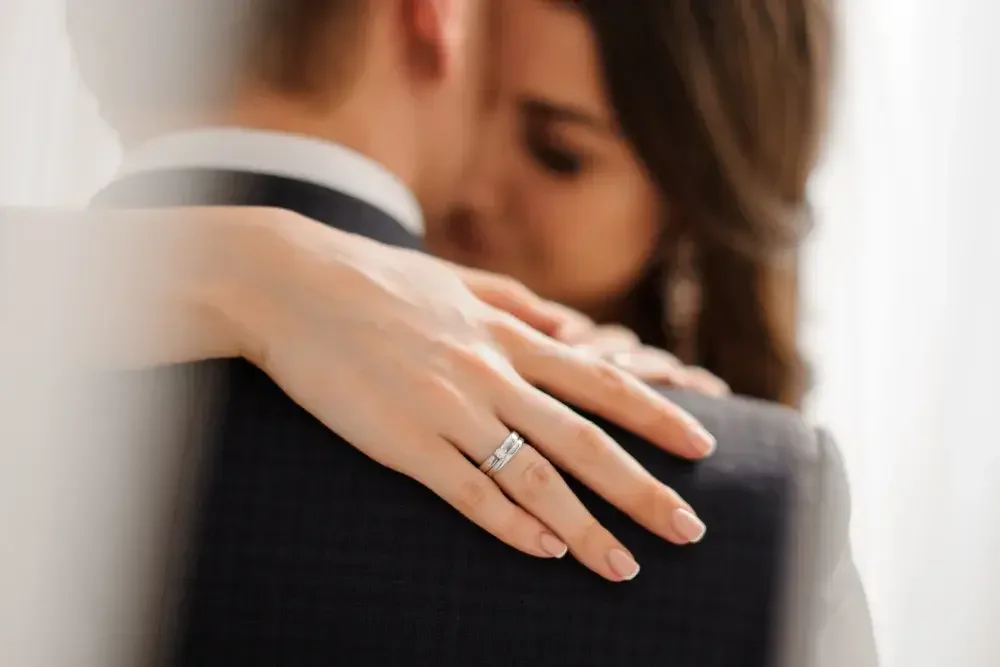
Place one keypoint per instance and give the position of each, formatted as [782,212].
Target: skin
[338,321]
[565,207]
[416,107]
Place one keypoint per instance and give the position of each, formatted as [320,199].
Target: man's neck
[287,139]
[382,132]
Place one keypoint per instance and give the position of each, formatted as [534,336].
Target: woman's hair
[724,103]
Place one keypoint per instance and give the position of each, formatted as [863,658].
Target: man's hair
[302,40]
[182,56]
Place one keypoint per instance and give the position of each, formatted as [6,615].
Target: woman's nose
[480,185]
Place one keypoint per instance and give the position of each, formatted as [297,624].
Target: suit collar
[287,156]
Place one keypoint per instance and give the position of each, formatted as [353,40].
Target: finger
[590,455]
[575,325]
[703,381]
[605,341]
[534,484]
[531,310]
[515,299]
[450,475]
[538,487]
[653,365]
[660,367]
[599,387]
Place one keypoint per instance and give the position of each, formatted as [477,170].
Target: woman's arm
[171,280]
[355,332]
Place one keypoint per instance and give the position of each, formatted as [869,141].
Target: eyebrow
[566,113]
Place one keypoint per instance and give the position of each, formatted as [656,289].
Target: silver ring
[502,455]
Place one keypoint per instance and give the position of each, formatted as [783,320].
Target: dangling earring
[683,293]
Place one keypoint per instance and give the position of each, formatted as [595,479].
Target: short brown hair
[169,56]
[302,40]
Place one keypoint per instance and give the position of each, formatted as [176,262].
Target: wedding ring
[502,455]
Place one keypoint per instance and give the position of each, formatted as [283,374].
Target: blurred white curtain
[904,275]
[54,149]
[73,521]
[904,315]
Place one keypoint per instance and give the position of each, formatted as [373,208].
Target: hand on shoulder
[392,350]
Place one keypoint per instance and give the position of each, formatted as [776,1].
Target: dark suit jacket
[305,552]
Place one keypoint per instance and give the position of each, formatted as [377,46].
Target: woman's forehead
[548,50]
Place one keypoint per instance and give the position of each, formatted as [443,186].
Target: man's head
[402,81]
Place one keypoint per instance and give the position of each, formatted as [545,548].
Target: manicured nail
[702,440]
[688,525]
[623,564]
[553,546]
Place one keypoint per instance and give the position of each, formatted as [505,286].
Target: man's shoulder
[755,427]
[762,438]
[762,446]
[765,446]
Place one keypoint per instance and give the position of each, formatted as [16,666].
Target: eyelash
[556,160]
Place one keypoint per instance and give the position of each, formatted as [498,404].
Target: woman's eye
[559,162]
[555,159]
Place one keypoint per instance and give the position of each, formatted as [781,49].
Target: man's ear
[440,29]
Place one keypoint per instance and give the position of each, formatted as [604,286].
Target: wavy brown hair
[724,102]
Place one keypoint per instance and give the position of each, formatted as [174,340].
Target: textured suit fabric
[305,552]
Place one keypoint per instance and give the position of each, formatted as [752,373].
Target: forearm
[134,289]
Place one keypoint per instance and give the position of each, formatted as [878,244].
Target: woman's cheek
[581,251]
[559,221]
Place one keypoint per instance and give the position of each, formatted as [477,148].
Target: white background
[903,290]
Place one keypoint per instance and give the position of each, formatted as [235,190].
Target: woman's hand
[614,344]
[390,349]
[623,348]
[511,296]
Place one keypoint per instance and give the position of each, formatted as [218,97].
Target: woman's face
[555,197]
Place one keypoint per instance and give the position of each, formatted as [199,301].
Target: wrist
[241,253]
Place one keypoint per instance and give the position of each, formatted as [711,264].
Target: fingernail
[623,564]
[688,525]
[702,440]
[553,546]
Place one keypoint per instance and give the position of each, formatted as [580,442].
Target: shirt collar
[280,154]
